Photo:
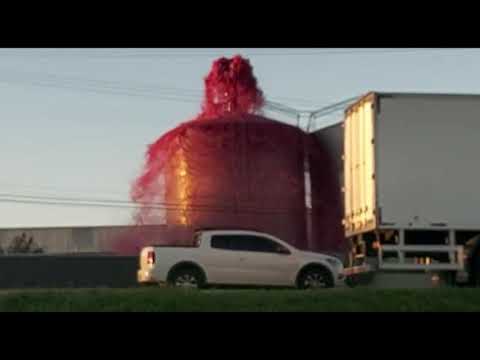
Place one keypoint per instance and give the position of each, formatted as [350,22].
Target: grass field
[164,299]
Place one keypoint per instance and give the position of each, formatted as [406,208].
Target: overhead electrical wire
[41,200]
[58,191]
[101,90]
[328,110]
[338,105]
[147,90]
[309,53]
[169,54]
[153,91]
[105,91]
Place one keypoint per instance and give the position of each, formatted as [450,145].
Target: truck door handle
[242,259]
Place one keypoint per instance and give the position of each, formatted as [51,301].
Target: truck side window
[247,243]
[261,244]
[221,242]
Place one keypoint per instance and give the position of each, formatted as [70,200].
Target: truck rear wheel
[188,277]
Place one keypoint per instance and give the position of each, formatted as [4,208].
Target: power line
[160,53]
[148,90]
[90,200]
[103,91]
[191,208]
[312,53]
[274,106]
[334,106]
[328,110]
[153,204]
[10,74]
[62,191]
[155,92]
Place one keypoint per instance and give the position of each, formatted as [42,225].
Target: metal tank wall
[326,168]
[243,171]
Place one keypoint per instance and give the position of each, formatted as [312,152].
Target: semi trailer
[410,180]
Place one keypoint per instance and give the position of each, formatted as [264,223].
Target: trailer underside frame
[390,252]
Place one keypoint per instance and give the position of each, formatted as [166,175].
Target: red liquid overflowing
[231,168]
[230,87]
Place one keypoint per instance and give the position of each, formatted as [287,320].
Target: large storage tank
[232,168]
[241,171]
[248,172]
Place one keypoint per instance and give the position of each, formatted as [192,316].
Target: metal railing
[455,257]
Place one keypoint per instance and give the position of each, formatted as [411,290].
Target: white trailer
[411,183]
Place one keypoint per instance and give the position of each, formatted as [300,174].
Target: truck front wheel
[315,277]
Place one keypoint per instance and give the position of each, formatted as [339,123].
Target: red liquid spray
[233,168]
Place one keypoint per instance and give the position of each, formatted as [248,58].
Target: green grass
[164,299]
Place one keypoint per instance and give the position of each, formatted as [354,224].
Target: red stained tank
[241,171]
[232,168]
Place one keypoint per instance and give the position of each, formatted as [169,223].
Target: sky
[75,123]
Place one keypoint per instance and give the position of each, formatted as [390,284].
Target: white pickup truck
[237,257]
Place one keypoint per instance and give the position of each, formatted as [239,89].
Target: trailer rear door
[359,158]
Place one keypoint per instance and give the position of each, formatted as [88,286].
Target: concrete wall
[46,271]
[52,240]
[73,257]
[121,240]
[68,240]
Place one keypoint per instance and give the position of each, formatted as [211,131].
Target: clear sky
[76,122]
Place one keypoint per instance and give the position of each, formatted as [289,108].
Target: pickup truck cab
[238,257]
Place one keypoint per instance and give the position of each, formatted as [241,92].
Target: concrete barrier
[62,271]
